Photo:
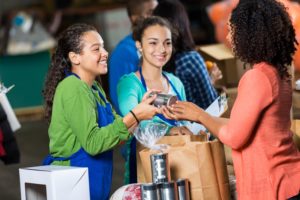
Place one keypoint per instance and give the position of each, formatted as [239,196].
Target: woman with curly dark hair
[83,126]
[266,161]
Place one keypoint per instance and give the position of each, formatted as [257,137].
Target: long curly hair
[69,40]
[261,31]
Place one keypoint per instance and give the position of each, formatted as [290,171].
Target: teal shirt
[74,121]
[131,91]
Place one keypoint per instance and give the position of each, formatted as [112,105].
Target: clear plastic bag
[149,132]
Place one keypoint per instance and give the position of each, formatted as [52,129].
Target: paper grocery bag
[170,140]
[202,163]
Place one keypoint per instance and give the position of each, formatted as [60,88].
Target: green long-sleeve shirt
[74,121]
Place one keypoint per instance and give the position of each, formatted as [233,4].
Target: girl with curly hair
[266,161]
[83,126]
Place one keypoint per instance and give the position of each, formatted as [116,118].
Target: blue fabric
[191,70]
[123,60]
[100,166]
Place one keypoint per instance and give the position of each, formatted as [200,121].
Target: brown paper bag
[170,140]
[202,163]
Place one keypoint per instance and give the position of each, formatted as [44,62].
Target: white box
[51,182]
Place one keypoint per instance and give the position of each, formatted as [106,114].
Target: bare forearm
[130,121]
[213,124]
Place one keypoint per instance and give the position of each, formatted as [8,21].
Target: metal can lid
[181,182]
[172,100]
[159,155]
[148,186]
[161,180]
[170,184]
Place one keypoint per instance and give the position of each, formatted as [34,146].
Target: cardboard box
[54,183]
[295,128]
[231,67]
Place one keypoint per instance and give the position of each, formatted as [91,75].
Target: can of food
[183,189]
[167,191]
[160,168]
[163,99]
[149,191]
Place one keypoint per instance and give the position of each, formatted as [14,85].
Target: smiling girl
[83,126]
[153,38]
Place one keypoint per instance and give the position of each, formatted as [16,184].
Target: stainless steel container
[149,191]
[183,189]
[168,191]
[160,168]
[163,99]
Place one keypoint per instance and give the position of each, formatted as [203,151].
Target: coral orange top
[266,161]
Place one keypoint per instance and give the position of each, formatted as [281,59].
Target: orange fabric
[266,161]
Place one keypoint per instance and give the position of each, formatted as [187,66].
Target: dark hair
[135,7]
[175,13]
[69,40]
[143,24]
[263,32]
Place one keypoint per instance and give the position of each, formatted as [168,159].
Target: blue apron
[100,166]
[132,143]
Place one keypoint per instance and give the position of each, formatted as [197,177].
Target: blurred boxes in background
[51,182]
[231,67]
[114,26]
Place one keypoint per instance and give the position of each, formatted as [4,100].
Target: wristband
[137,120]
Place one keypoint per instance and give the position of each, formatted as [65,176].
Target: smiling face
[92,60]
[155,46]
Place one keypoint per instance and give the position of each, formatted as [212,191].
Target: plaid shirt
[191,70]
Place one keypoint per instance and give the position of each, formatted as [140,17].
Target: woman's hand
[183,110]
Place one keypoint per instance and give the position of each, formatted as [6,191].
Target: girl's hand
[145,110]
[146,95]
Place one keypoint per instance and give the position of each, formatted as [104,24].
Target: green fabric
[74,122]
[130,93]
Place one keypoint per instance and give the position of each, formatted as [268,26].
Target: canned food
[149,191]
[160,168]
[167,191]
[183,189]
[163,99]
